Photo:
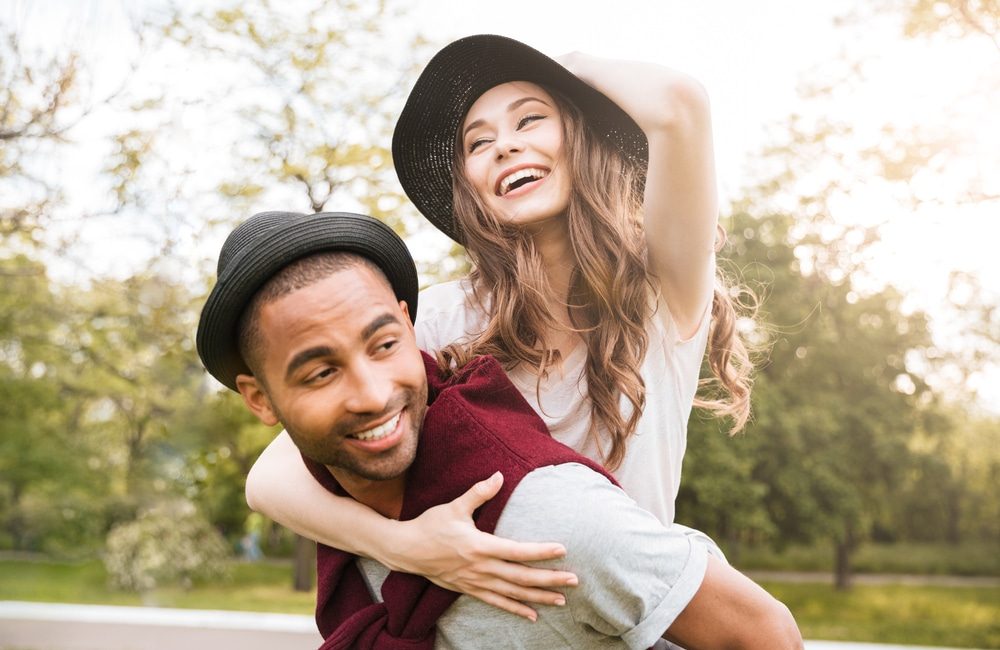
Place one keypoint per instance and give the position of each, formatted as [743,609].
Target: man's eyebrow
[305,357]
[318,351]
[513,106]
[377,324]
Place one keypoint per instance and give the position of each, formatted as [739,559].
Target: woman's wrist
[390,546]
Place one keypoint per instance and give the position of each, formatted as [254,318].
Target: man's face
[342,372]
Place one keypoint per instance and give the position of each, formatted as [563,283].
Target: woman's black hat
[423,143]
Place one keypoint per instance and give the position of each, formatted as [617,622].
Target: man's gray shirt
[635,575]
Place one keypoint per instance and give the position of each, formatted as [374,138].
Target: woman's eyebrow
[517,103]
[513,106]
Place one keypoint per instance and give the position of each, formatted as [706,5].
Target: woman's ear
[256,399]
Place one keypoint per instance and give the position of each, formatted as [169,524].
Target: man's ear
[406,312]
[256,399]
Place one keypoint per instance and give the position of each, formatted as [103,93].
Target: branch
[975,24]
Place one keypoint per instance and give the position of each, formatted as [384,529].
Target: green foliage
[848,441]
[225,439]
[835,406]
[167,544]
[105,407]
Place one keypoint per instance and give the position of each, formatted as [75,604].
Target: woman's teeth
[512,179]
[380,431]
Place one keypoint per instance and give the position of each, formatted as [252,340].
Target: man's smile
[379,431]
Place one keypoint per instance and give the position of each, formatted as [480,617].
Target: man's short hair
[299,274]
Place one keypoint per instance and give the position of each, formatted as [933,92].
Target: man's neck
[384,497]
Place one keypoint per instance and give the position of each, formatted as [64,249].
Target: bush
[171,543]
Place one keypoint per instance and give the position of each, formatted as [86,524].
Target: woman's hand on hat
[652,94]
[579,63]
[444,545]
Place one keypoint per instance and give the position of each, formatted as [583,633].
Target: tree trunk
[954,502]
[843,549]
[842,565]
[305,564]
[15,521]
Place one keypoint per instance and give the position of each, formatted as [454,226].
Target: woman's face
[513,155]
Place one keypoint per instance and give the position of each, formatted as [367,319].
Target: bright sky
[752,58]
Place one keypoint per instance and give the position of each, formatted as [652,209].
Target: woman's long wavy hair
[611,295]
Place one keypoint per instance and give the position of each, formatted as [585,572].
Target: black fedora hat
[423,143]
[267,242]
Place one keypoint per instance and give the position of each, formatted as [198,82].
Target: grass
[264,587]
[967,559]
[934,616]
[943,616]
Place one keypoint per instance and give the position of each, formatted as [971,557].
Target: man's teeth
[536,174]
[380,431]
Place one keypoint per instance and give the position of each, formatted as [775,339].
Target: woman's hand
[444,545]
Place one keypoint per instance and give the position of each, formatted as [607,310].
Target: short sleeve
[445,315]
[636,576]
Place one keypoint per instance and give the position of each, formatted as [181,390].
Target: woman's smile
[512,180]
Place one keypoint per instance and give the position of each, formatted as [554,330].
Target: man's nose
[370,390]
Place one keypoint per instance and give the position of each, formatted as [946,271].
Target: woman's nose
[508,144]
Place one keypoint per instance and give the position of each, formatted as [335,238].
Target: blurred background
[858,147]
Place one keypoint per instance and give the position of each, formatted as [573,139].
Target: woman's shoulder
[447,312]
[445,300]
[443,294]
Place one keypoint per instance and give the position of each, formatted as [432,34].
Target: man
[312,322]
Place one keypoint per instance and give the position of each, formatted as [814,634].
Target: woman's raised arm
[442,544]
[681,202]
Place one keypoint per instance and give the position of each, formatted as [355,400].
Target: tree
[52,490]
[310,99]
[844,415]
[46,480]
[834,404]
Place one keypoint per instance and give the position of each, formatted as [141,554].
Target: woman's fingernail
[560,601]
[572,581]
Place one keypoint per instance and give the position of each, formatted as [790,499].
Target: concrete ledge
[219,619]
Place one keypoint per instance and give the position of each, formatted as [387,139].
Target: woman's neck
[551,239]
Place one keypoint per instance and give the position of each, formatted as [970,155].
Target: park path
[44,626]
[876,579]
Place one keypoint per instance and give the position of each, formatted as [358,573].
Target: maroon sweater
[476,423]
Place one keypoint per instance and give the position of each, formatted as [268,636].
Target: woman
[585,196]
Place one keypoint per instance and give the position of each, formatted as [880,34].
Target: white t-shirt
[651,470]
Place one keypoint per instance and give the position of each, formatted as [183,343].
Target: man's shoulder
[566,499]
[636,575]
